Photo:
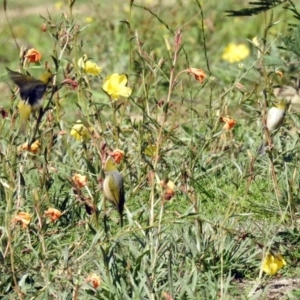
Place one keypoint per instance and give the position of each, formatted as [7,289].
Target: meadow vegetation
[205,216]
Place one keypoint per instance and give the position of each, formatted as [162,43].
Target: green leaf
[292,42]
[56,62]
[257,8]
[272,61]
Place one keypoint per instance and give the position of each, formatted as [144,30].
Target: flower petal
[273,263]
[115,86]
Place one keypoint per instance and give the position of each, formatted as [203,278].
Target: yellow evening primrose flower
[94,280]
[80,180]
[115,86]
[22,218]
[235,52]
[80,132]
[89,20]
[34,147]
[150,150]
[168,187]
[59,5]
[88,66]
[272,263]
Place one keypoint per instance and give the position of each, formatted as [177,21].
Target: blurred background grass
[208,241]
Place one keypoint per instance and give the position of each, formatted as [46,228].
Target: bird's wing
[122,196]
[31,89]
[18,78]
[36,93]
[116,187]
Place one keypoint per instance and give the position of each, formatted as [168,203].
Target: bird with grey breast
[275,118]
[113,186]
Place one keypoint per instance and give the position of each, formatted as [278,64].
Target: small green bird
[31,91]
[113,186]
[275,117]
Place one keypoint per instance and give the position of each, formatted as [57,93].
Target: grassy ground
[202,208]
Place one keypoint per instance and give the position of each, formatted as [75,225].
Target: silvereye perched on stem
[275,117]
[31,91]
[113,186]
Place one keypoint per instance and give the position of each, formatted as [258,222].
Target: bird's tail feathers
[262,148]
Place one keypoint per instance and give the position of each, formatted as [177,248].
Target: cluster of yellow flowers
[235,52]
[114,85]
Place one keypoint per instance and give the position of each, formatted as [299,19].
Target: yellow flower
[59,5]
[272,263]
[115,86]
[34,147]
[23,218]
[80,180]
[80,132]
[235,52]
[94,279]
[150,150]
[53,213]
[89,20]
[169,189]
[88,66]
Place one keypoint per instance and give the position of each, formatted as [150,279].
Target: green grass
[229,208]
